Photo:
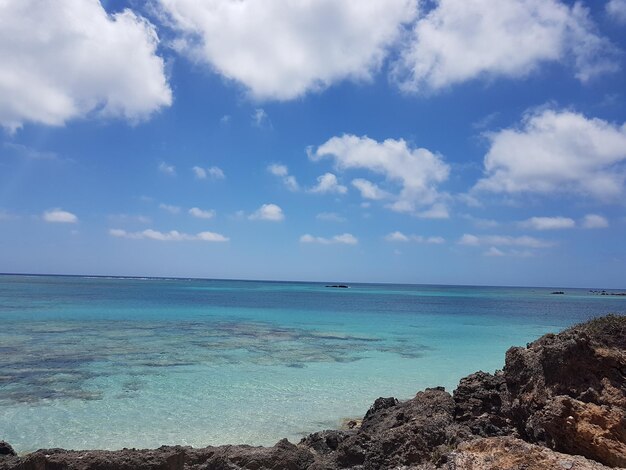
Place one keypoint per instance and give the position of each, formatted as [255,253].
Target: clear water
[112,363]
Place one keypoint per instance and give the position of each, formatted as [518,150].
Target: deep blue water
[111,362]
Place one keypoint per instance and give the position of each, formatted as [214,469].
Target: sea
[107,363]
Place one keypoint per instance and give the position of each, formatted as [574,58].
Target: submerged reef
[559,403]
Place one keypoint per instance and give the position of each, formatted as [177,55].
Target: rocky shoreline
[559,403]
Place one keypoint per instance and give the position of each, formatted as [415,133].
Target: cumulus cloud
[282,172]
[170,208]
[171,236]
[417,171]
[59,216]
[594,221]
[270,212]
[68,59]
[461,40]
[169,170]
[199,172]
[504,240]
[201,214]
[214,172]
[493,251]
[437,211]
[369,190]
[397,237]
[616,9]
[548,223]
[330,217]
[344,238]
[328,184]
[261,119]
[401,237]
[557,151]
[282,50]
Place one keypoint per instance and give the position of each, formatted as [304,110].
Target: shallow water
[111,363]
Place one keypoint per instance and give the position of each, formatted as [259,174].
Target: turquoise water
[112,363]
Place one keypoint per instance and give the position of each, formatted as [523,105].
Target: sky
[435,142]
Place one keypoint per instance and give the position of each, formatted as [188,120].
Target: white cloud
[282,50]
[401,237]
[169,170]
[171,236]
[344,238]
[396,237]
[417,171]
[328,184]
[261,119]
[199,172]
[504,240]
[616,9]
[282,172]
[169,208]
[548,223]
[493,251]
[59,216]
[437,211]
[330,217]
[68,59]
[461,40]
[201,214]
[369,190]
[270,212]
[594,221]
[214,172]
[278,170]
[557,151]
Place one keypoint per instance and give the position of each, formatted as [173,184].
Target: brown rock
[395,434]
[482,403]
[507,453]
[568,391]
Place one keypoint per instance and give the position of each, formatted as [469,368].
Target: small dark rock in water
[339,286]
[558,292]
[6,449]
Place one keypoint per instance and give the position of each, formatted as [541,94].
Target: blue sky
[447,142]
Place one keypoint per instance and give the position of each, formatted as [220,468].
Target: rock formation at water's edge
[559,403]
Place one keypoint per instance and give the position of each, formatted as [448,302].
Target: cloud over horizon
[549,223]
[269,212]
[342,239]
[417,171]
[557,151]
[59,216]
[171,236]
[504,240]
